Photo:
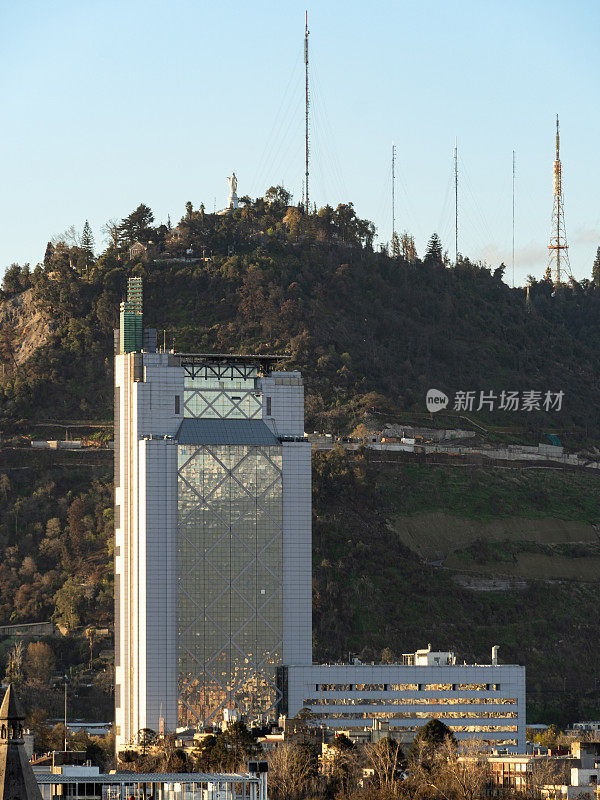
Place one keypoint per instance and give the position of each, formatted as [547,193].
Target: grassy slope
[371,591]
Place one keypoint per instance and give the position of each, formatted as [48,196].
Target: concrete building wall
[283,396]
[297,553]
[354,696]
[158,583]
[145,532]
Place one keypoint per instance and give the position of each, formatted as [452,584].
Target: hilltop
[371,333]
[463,556]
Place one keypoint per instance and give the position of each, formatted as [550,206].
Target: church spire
[16,776]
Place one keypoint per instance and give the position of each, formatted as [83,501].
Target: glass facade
[230,577]
[222,397]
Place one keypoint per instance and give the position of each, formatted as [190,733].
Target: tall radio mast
[306,111]
[393,198]
[513,222]
[456,201]
[558,269]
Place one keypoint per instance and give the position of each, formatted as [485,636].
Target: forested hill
[371,333]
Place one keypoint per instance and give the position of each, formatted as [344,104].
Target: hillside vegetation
[405,551]
[376,595]
[371,333]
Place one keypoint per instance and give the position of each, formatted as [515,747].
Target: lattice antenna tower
[306,109]
[558,269]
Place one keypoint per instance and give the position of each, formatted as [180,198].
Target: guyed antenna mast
[456,201]
[513,222]
[393,198]
[307,105]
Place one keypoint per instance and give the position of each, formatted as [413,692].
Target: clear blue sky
[108,104]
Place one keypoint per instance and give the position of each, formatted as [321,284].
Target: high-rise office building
[213,532]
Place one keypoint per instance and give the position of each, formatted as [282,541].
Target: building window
[177,404]
[268,406]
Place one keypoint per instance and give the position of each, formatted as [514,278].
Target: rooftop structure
[90,782]
[130,318]
[428,658]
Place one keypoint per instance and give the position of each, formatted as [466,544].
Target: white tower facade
[213,538]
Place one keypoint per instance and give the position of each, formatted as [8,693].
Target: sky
[107,104]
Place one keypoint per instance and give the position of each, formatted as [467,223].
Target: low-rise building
[476,701]
[554,776]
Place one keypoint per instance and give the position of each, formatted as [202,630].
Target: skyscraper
[213,532]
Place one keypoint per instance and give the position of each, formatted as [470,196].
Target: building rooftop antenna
[558,269]
[307,107]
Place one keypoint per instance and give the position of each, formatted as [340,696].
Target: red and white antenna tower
[558,269]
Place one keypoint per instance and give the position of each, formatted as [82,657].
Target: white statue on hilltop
[233,198]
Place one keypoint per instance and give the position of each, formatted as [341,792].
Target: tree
[37,722]
[48,254]
[386,759]
[68,602]
[128,756]
[547,773]
[76,528]
[39,664]
[53,528]
[293,769]
[408,251]
[278,196]
[112,233]
[146,738]
[14,670]
[449,772]
[596,269]
[137,224]
[463,771]
[227,751]
[430,739]
[87,241]
[11,282]
[434,734]
[361,432]
[499,272]
[89,635]
[344,768]
[7,345]
[434,251]
[189,209]
[5,484]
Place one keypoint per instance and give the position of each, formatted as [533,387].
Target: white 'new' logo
[436,400]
